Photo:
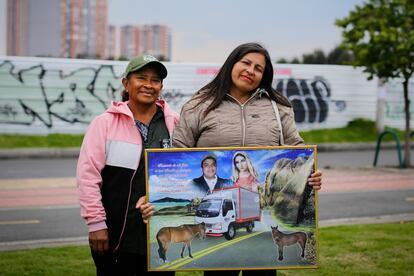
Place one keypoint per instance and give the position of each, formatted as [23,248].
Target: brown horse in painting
[281,240]
[183,233]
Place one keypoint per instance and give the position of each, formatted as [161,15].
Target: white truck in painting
[226,210]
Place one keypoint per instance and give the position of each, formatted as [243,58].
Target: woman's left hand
[315,180]
[146,209]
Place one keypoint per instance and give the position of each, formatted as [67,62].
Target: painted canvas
[232,208]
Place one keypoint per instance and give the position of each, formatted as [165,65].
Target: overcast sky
[207,31]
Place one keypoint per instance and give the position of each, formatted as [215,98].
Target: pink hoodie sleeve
[91,161]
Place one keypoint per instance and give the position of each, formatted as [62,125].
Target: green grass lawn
[378,249]
[359,130]
[38,141]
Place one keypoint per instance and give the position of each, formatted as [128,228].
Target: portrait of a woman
[244,173]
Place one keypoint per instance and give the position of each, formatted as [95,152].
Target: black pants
[244,273]
[123,264]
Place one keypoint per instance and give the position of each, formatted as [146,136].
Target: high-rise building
[43,32]
[134,40]
[17,27]
[84,28]
[3,26]
[113,42]
[157,41]
[129,41]
[101,27]
[58,28]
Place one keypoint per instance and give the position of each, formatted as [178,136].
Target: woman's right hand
[146,209]
[315,180]
[99,241]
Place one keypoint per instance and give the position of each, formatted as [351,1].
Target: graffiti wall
[394,103]
[43,95]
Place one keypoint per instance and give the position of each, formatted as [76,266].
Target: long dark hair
[221,84]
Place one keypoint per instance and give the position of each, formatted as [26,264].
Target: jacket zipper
[242,114]
[126,212]
[243,125]
[127,206]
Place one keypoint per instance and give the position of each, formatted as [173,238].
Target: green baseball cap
[140,61]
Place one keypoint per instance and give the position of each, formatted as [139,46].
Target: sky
[170,173]
[207,31]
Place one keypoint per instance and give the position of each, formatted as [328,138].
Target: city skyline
[127,41]
[207,31]
[76,29]
[72,28]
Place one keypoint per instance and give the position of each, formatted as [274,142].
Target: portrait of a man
[209,181]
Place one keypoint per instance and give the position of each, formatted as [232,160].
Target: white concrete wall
[44,95]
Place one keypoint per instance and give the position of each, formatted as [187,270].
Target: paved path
[365,179]
[59,194]
[16,193]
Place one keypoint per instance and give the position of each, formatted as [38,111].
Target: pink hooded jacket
[111,139]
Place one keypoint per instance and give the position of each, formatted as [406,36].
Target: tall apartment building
[112,43]
[3,25]
[57,28]
[157,40]
[132,40]
[17,23]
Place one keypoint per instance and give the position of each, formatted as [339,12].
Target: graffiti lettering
[173,96]
[310,98]
[38,94]
[396,111]
[8,111]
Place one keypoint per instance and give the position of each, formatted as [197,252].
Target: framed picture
[232,208]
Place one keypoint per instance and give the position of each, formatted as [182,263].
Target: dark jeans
[244,273]
[123,264]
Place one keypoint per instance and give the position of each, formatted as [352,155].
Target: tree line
[337,56]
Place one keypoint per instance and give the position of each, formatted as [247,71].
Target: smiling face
[247,74]
[240,163]
[143,86]
[209,168]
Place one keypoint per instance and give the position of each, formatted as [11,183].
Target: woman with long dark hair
[240,108]
[244,173]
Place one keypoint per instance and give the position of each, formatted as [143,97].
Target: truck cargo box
[246,202]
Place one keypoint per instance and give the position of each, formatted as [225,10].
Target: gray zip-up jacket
[253,123]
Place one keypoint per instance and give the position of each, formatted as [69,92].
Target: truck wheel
[249,227]
[231,232]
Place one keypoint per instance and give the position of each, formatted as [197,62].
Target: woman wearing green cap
[110,170]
